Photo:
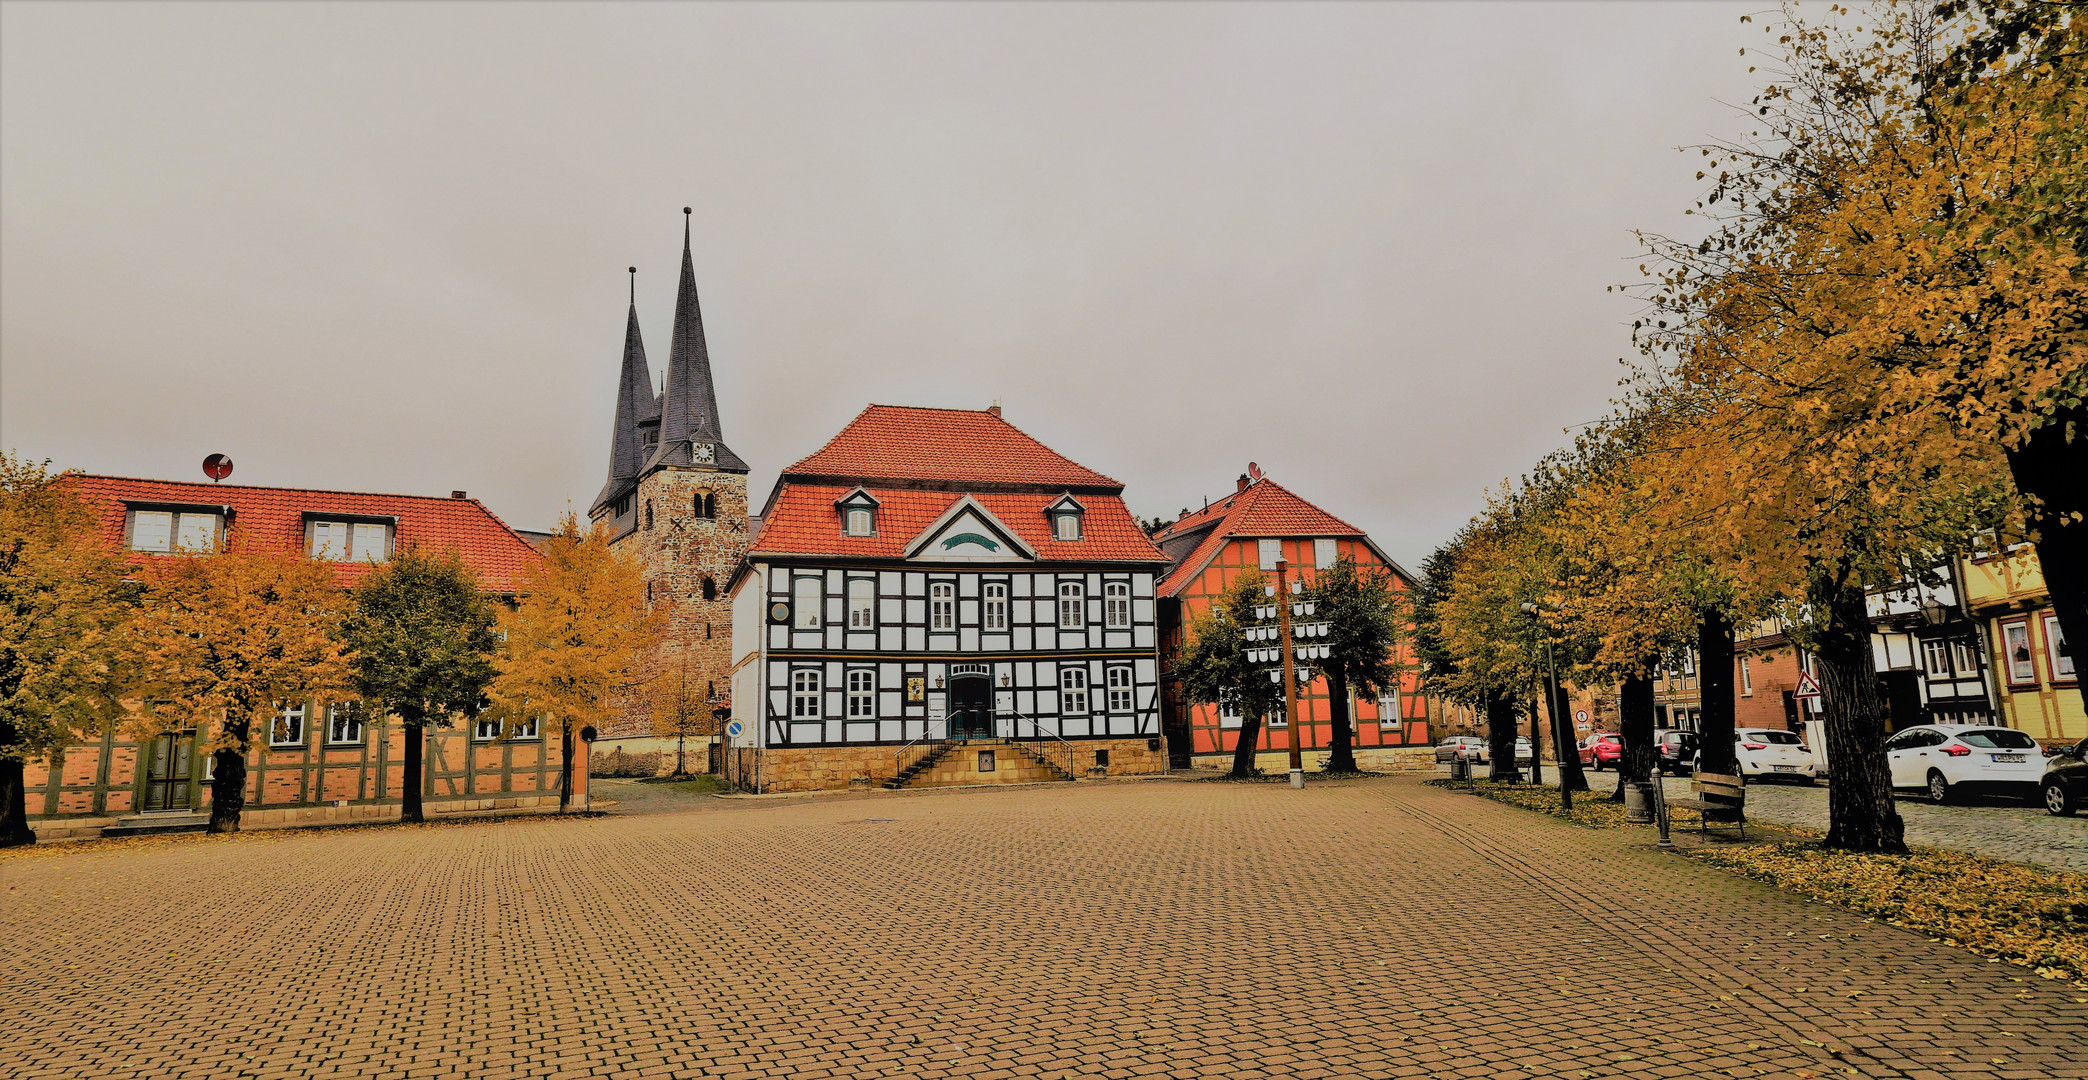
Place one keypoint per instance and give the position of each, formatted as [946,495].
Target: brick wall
[679,551]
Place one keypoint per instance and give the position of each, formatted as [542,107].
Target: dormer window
[175,529]
[1065,515]
[858,513]
[348,541]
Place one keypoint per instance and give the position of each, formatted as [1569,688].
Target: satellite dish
[217,467]
[1254,471]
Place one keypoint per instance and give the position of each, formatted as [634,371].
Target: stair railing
[922,744]
[1038,738]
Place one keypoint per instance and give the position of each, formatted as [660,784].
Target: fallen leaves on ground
[1591,809]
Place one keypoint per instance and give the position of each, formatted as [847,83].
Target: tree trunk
[1635,704]
[565,769]
[1571,778]
[1715,680]
[1244,748]
[2054,468]
[228,779]
[14,804]
[1537,743]
[1860,813]
[1500,737]
[1341,756]
[681,753]
[410,794]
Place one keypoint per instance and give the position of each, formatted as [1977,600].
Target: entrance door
[971,707]
[168,761]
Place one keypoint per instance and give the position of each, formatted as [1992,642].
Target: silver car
[1468,747]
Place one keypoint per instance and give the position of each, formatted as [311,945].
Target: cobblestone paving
[1367,928]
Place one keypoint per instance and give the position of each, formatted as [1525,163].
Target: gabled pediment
[968,532]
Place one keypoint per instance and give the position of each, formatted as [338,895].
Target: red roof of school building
[275,518]
[802,520]
[951,446]
[1264,509]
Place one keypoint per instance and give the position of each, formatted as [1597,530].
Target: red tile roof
[802,520]
[275,517]
[1265,509]
[955,446]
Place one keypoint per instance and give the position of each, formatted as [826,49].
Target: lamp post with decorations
[1289,648]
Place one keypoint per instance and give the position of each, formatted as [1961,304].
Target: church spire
[634,405]
[690,430]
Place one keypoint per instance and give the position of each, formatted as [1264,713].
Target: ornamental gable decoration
[968,532]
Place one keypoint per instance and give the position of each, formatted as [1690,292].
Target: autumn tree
[64,604]
[681,710]
[574,639]
[1365,615]
[225,641]
[1213,668]
[421,630]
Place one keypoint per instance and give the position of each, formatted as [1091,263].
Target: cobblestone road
[1367,928]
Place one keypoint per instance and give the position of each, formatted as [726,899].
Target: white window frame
[487,728]
[1072,605]
[1122,688]
[1325,552]
[2020,672]
[1065,526]
[2063,668]
[1116,605]
[1388,709]
[860,521]
[862,694]
[1268,552]
[1935,658]
[178,522]
[287,728]
[355,540]
[1746,678]
[1964,656]
[993,608]
[942,607]
[807,602]
[344,715]
[1073,690]
[806,695]
[526,728]
[862,603]
[1229,715]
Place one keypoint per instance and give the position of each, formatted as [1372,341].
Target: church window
[862,604]
[1073,691]
[706,505]
[804,694]
[710,589]
[806,602]
[648,592]
[942,606]
[862,695]
[859,521]
[1072,606]
[648,514]
[1120,690]
[996,607]
[706,631]
[1116,605]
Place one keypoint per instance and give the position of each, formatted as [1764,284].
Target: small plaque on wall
[916,688]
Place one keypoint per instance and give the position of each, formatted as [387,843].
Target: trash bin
[1638,803]
[1460,769]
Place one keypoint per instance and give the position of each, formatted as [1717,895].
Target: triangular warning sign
[1808,687]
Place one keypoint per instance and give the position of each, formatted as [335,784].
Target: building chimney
[1242,483]
[993,409]
[456,494]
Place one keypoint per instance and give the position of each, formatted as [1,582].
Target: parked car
[2065,783]
[1601,749]
[1947,760]
[1522,750]
[1468,747]
[1765,752]
[1677,750]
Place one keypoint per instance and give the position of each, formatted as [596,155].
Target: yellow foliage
[580,629]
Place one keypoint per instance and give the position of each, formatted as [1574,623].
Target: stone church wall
[679,551]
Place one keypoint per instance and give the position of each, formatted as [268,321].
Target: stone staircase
[158,821]
[959,763]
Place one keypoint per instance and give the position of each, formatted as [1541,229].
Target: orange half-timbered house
[319,761]
[1259,523]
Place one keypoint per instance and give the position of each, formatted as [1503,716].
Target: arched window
[706,505]
[648,514]
[710,589]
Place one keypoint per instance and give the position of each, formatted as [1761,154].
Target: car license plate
[1785,768]
[2016,758]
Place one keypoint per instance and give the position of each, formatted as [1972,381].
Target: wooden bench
[1725,796]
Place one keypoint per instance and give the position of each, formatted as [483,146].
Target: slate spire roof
[689,407]
[635,404]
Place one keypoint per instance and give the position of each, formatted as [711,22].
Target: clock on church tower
[703,453]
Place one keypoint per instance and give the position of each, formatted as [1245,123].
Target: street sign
[734,729]
[1808,687]
[1581,716]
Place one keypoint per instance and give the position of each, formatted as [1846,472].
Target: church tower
[677,500]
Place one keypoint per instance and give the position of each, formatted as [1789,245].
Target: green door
[169,761]
[971,707]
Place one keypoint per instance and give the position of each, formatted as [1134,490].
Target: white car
[1946,760]
[1769,752]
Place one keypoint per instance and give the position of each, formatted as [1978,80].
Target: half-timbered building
[935,594]
[1260,522]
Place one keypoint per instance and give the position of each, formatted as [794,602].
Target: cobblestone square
[1361,928]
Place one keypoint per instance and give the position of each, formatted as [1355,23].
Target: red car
[1602,749]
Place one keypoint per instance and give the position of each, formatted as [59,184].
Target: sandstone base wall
[1386,759]
[820,768]
[302,817]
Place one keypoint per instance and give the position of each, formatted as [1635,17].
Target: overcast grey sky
[382,247]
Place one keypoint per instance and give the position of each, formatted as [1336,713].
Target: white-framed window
[486,728]
[858,521]
[2056,652]
[1065,526]
[862,604]
[351,541]
[994,610]
[1323,552]
[1072,608]
[2015,642]
[1935,658]
[1746,678]
[942,606]
[344,723]
[174,530]
[1073,691]
[1962,654]
[1688,662]
[1388,708]
[1122,698]
[1116,605]
[862,695]
[491,727]
[288,726]
[807,595]
[1229,709]
[804,694]
[1270,551]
